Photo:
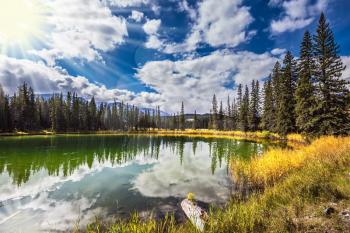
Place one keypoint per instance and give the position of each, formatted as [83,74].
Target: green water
[48,183]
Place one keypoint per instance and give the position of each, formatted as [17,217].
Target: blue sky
[158,52]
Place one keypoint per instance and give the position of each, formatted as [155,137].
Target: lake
[48,183]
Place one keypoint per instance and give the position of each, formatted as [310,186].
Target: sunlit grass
[258,135]
[277,163]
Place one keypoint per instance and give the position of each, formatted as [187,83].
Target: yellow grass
[277,163]
[233,134]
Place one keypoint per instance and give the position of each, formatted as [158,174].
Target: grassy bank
[256,136]
[297,186]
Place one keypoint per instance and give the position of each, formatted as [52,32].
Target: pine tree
[220,119]
[92,111]
[286,102]
[61,120]
[174,122]
[159,119]
[182,117]
[2,110]
[75,113]
[268,116]
[194,126]
[333,101]
[254,117]
[235,114]
[307,119]
[7,116]
[244,110]
[214,119]
[68,110]
[228,115]
[275,87]
[53,115]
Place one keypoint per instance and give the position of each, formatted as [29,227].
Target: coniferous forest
[304,95]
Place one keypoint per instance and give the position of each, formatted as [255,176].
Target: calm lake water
[48,183]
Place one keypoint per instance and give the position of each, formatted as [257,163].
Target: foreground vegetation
[294,188]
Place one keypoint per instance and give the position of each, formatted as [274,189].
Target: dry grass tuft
[277,163]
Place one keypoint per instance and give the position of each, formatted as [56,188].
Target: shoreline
[258,136]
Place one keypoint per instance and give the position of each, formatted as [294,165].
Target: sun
[20,21]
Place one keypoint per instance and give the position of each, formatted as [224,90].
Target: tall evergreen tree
[214,117]
[194,126]
[307,119]
[220,119]
[276,78]
[228,116]
[235,114]
[268,116]
[286,101]
[3,127]
[92,114]
[333,101]
[159,119]
[68,110]
[75,112]
[174,122]
[182,117]
[254,115]
[244,110]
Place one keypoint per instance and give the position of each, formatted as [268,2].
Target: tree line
[305,95]
[25,111]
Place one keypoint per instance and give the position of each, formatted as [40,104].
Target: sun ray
[21,23]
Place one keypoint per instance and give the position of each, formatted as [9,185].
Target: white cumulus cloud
[80,29]
[195,80]
[278,51]
[217,24]
[136,15]
[127,3]
[151,28]
[45,79]
[297,14]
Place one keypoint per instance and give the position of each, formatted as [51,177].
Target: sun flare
[20,21]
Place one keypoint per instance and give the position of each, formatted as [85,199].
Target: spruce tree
[220,118]
[275,87]
[159,119]
[254,117]
[2,110]
[182,117]
[75,112]
[68,110]
[244,111]
[194,126]
[174,122]
[92,112]
[228,115]
[307,119]
[333,101]
[214,119]
[7,115]
[286,100]
[268,116]
[235,114]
